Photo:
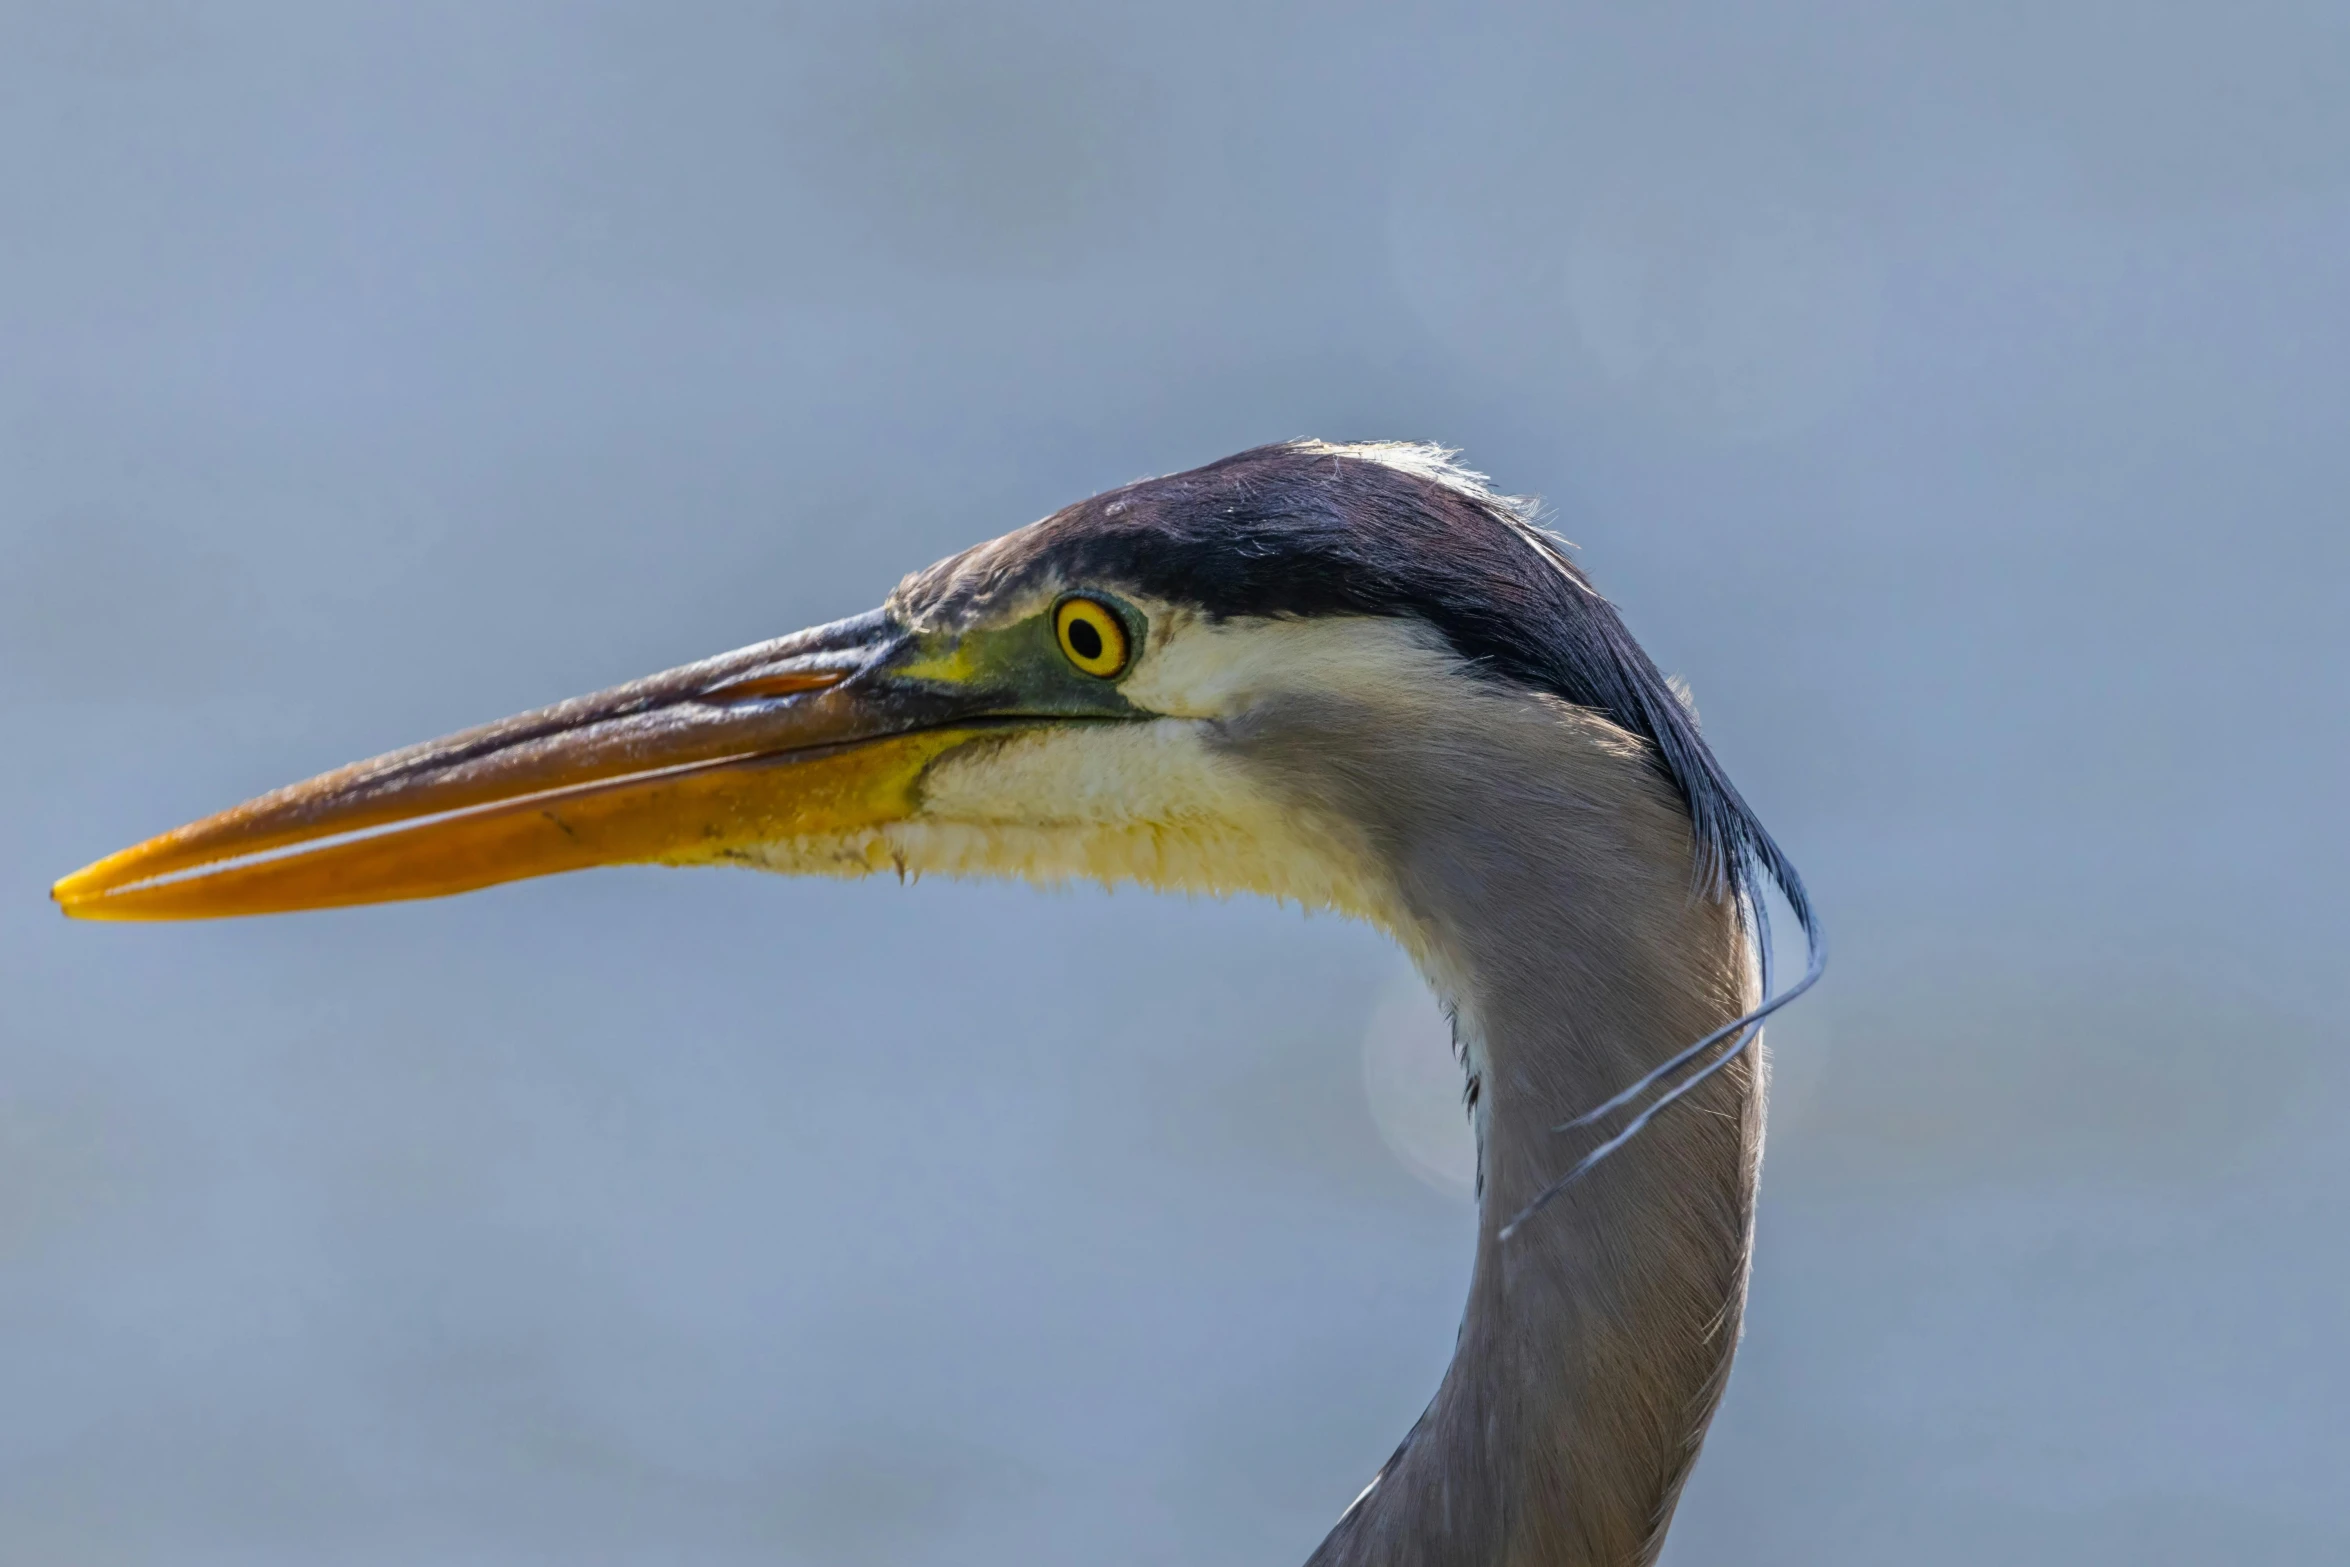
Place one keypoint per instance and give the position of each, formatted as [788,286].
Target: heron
[1354,677]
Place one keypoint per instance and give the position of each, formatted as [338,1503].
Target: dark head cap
[1307,528]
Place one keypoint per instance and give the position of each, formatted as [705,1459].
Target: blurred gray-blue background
[1956,394]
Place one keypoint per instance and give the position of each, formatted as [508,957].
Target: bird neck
[1543,872]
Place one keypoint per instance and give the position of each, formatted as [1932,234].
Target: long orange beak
[805,737]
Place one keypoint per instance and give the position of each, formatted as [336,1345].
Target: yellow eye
[1091,636]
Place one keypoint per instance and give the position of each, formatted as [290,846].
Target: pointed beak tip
[79,895]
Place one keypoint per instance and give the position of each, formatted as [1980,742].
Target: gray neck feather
[1544,874]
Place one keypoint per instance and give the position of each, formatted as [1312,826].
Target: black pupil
[1085,637]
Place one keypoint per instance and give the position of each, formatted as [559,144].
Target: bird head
[1071,700]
